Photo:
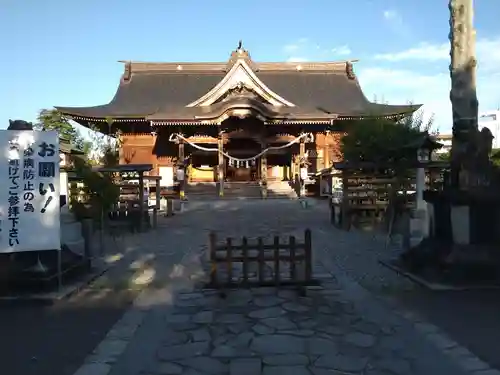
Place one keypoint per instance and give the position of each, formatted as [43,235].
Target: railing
[261,264]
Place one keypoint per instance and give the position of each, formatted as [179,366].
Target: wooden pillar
[263,173]
[157,205]
[141,202]
[326,150]
[301,164]
[180,164]
[302,150]
[220,167]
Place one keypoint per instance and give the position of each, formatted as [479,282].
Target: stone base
[465,218]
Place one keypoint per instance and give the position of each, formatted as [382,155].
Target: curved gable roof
[167,89]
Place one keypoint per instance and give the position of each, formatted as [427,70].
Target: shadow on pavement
[469,317]
[54,340]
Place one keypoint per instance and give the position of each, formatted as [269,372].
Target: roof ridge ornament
[127,73]
[239,54]
[349,70]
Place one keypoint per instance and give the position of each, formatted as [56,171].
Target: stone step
[276,189]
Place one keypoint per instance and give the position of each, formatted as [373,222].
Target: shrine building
[238,120]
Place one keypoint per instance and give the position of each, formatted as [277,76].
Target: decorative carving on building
[239,90]
[240,73]
[127,74]
[349,70]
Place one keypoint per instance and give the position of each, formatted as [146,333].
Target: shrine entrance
[241,174]
[242,170]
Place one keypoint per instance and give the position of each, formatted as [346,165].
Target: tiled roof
[163,91]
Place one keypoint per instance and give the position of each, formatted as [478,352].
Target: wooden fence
[260,264]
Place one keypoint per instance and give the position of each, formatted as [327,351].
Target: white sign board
[29,191]
[180,174]
[303,174]
[167,176]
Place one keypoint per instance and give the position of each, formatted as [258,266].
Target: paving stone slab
[335,329]
[289,370]
[269,312]
[267,301]
[286,360]
[94,369]
[359,339]
[245,366]
[207,365]
[165,368]
[278,344]
[280,323]
[342,362]
[262,329]
[201,334]
[175,352]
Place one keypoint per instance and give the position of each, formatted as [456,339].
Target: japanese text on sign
[29,200]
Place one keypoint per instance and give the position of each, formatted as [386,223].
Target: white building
[445,140]
[491,120]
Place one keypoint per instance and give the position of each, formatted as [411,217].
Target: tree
[383,140]
[52,119]
[105,148]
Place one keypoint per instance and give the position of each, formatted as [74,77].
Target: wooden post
[263,174]
[213,258]
[244,247]
[344,210]
[302,153]
[308,255]
[220,167]
[180,164]
[276,260]
[293,273]
[229,260]
[260,248]
[326,157]
[141,201]
[157,205]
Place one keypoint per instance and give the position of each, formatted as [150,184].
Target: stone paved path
[337,328]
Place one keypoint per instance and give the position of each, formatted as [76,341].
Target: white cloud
[431,88]
[391,15]
[395,22]
[487,50]
[341,51]
[299,44]
[399,86]
[304,49]
[424,51]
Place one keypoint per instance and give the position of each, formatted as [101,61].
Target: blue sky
[59,52]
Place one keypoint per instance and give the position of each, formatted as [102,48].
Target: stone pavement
[337,328]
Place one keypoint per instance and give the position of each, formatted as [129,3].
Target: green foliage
[100,191]
[105,149]
[445,156]
[495,157]
[51,119]
[384,141]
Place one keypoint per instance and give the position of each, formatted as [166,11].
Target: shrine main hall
[233,121]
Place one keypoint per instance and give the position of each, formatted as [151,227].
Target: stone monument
[464,233]
[470,148]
